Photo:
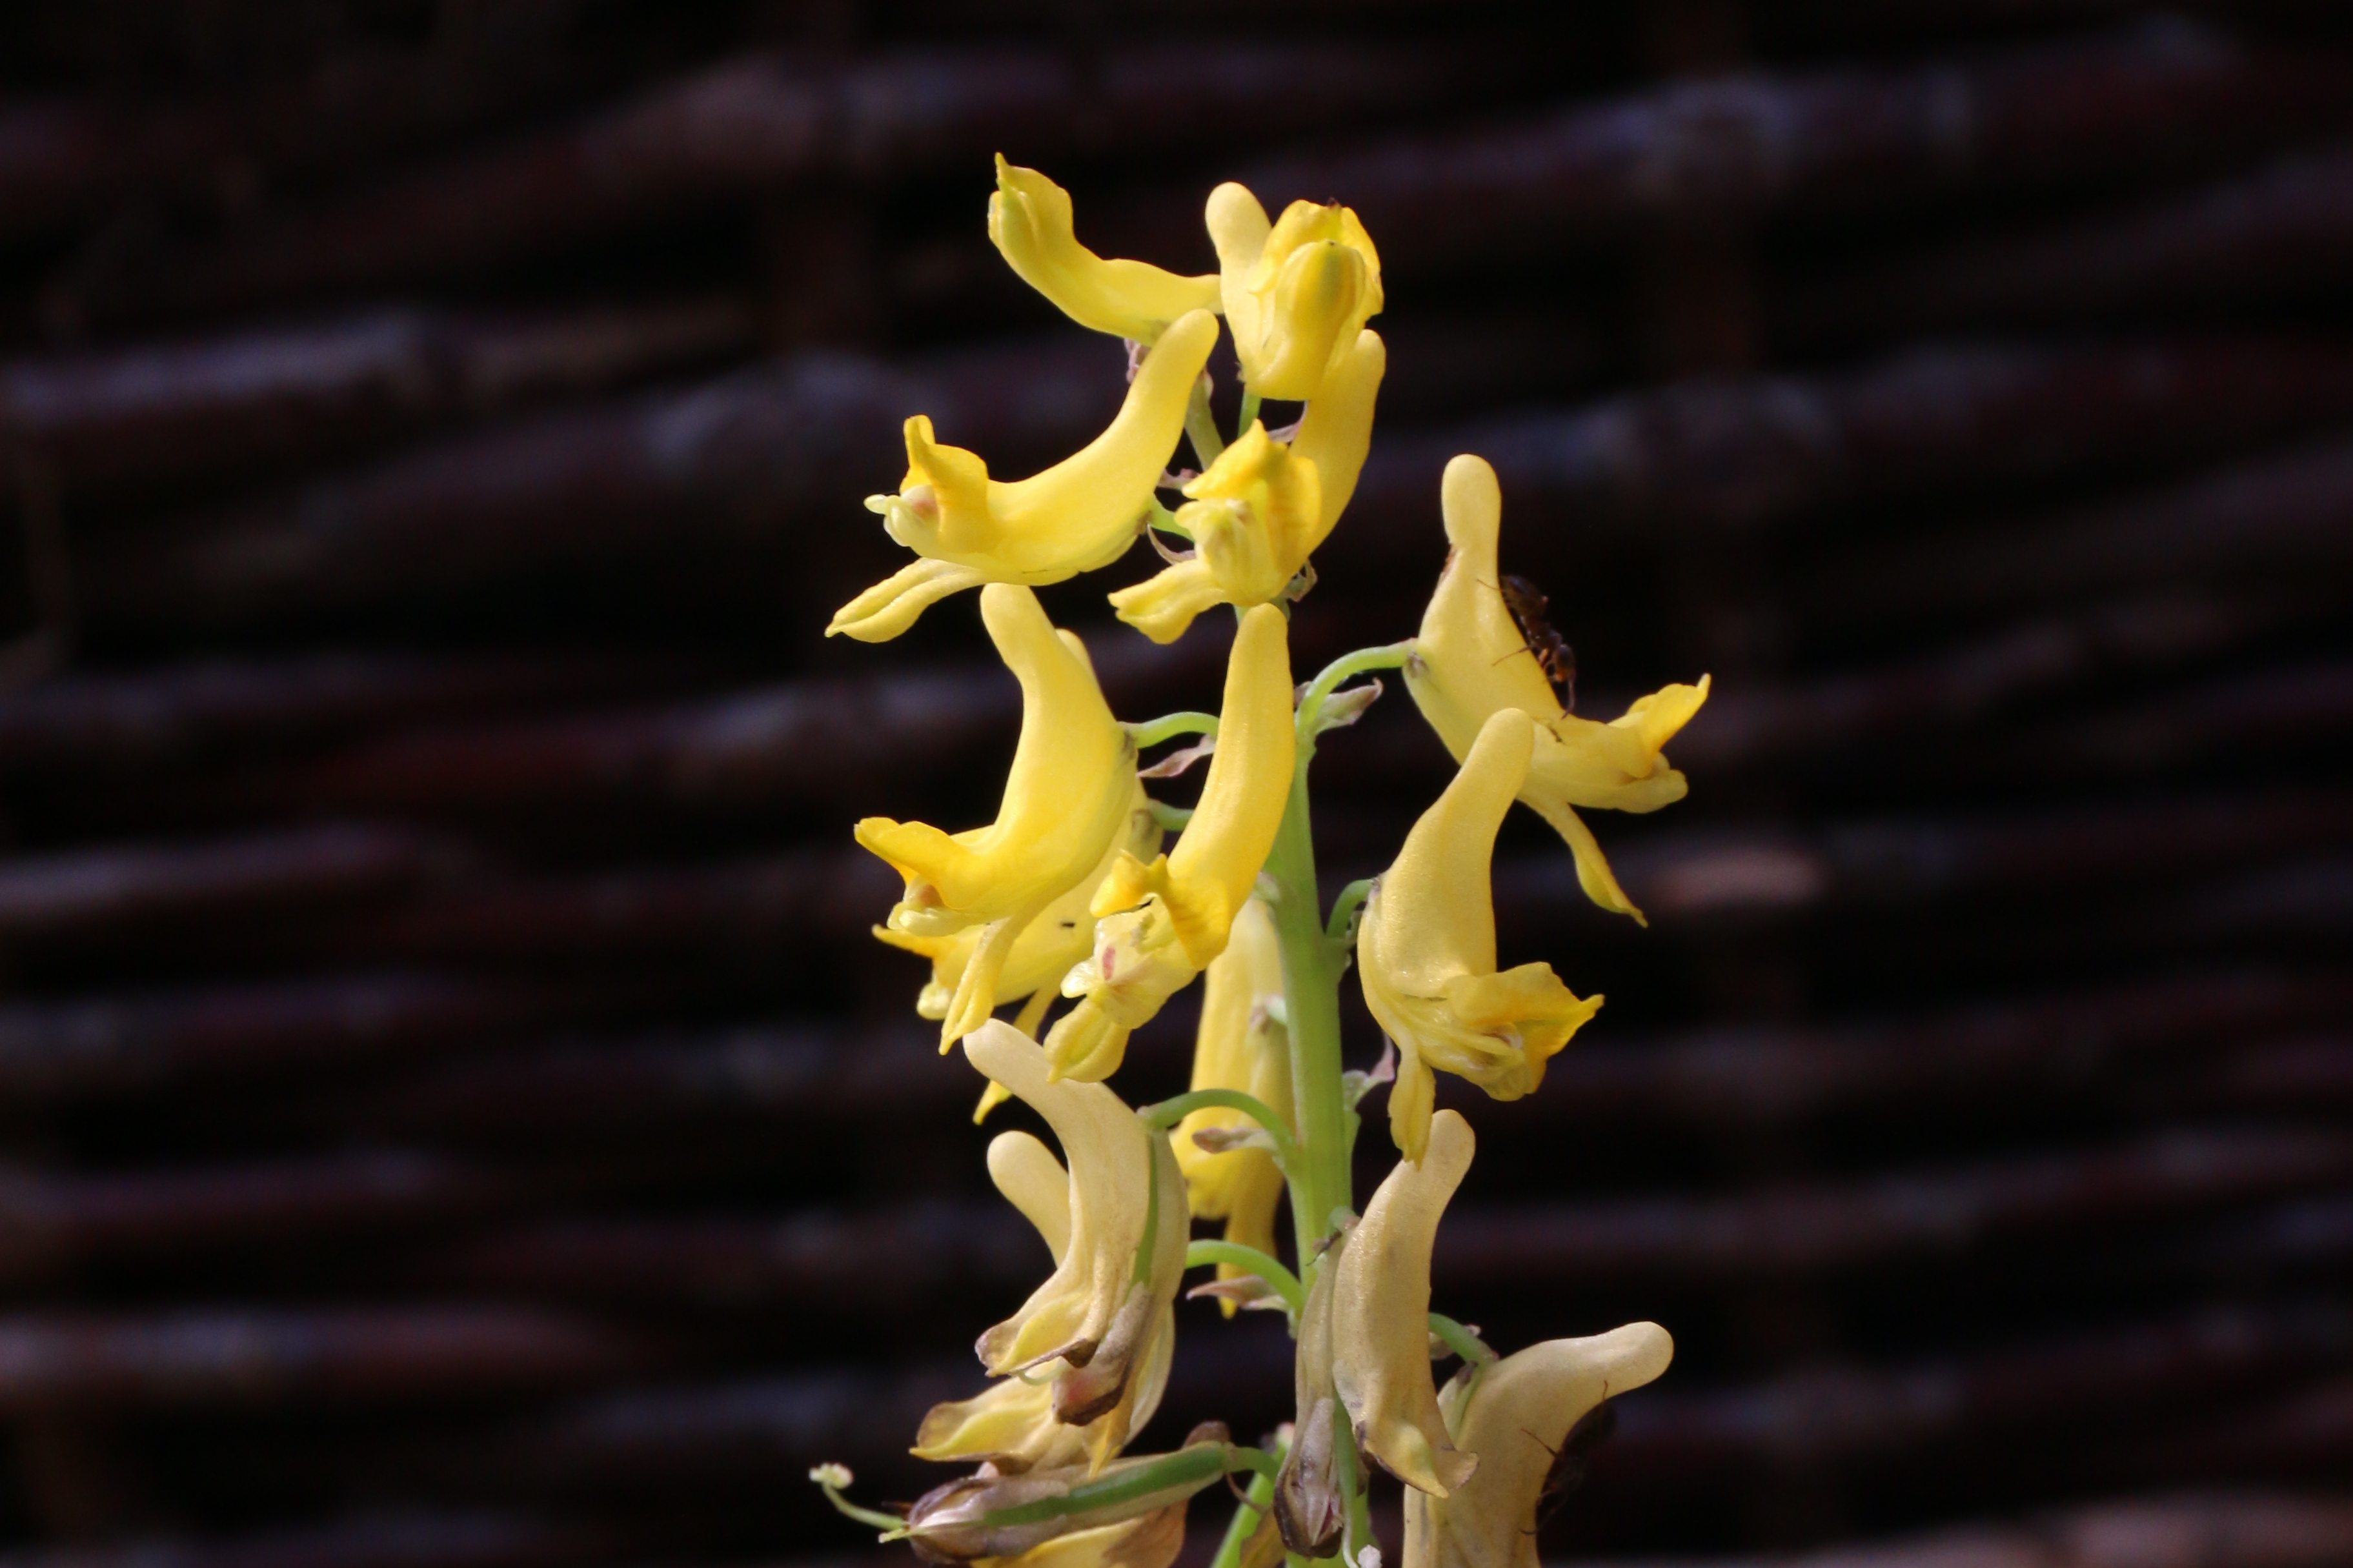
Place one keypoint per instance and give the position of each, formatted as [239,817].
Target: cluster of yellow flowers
[1069,893]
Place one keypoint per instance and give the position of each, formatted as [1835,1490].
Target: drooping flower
[965,1520]
[1296,291]
[1031,223]
[1107,1312]
[1380,1317]
[1159,924]
[1081,514]
[1260,510]
[1240,1044]
[1427,948]
[1310,1501]
[1516,1416]
[1471,659]
[1012,1425]
[1059,937]
[1069,797]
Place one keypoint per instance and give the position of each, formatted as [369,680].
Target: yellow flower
[1380,1317]
[1080,514]
[1239,1045]
[1470,660]
[1059,937]
[1514,1415]
[1029,222]
[1160,924]
[1427,948]
[1108,1328]
[1012,1425]
[1264,506]
[1296,291]
[1068,796]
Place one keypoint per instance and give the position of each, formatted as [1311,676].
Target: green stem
[1195,1467]
[1311,990]
[1167,1113]
[1202,426]
[830,1478]
[1245,1522]
[1358,1534]
[1171,819]
[1461,1340]
[1168,726]
[1248,417]
[1344,909]
[1284,1283]
[1363,661]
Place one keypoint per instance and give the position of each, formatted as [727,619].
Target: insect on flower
[1551,651]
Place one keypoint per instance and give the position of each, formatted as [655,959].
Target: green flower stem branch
[1168,726]
[1245,1522]
[1283,1282]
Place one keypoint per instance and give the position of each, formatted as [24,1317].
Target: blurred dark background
[455,1115]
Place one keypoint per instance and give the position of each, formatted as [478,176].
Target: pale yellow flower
[1013,1423]
[1068,798]
[1470,660]
[1426,949]
[1159,924]
[1106,1325]
[1239,1045]
[957,1522]
[1514,1415]
[1380,1317]
[1057,938]
[1030,224]
[1263,507]
[1081,514]
[1296,291]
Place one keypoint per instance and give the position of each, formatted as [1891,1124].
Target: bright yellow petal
[1337,432]
[1029,221]
[1380,1317]
[891,605]
[1296,291]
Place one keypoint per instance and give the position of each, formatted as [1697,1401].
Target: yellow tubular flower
[1514,1415]
[1080,514]
[1240,1046]
[1111,1330]
[1013,1424]
[1029,223]
[1426,949]
[1068,796]
[1048,946]
[1160,924]
[1470,660]
[1296,290]
[1263,507]
[1380,1318]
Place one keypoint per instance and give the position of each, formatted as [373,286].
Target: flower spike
[1264,506]
[1030,224]
[1515,1415]
[1472,659]
[1426,949]
[1107,1312]
[1081,514]
[1159,924]
[1068,796]
[1380,1317]
[1296,291]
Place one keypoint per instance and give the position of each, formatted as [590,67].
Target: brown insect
[1551,650]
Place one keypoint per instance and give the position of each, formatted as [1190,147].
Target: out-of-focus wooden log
[758,474]
[62,1052]
[1769,452]
[2285,520]
[2047,1050]
[2287,231]
[1746,145]
[94,894]
[86,1363]
[408,1539]
[1885,1224]
[216,709]
[133,420]
[2099,849]
[765,125]
[2206,1529]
